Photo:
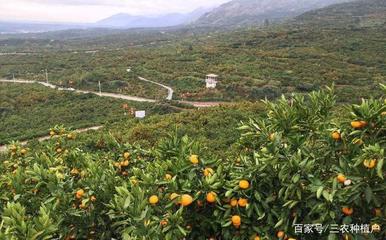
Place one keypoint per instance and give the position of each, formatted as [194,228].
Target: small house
[211,80]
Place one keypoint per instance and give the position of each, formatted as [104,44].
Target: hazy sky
[93,10]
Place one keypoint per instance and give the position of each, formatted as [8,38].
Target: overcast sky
[93,10]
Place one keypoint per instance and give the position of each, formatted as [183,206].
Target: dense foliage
[28,111]
[301,163]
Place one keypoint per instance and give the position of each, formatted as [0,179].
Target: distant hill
[118,21]
[124,20]
[251,12]
[361,13]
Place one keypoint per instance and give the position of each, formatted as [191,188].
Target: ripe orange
[82,206]
[153,199]
[168,176]
[70,136]
[370,164]
[208,172]
[126,155]
[347,211]
[356,124]
[125,163]
[242,202]
[173,196]
[211,197]
[233,202]
[244,184]
[23,151]
[186,200]
[341,178]
[79,194]
[236,220]
[257,238]
[280,234]
[194,159]
[74,171]
[164,222]
[336,135]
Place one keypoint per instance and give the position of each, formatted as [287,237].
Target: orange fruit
[236,220]
[347,211]
[377,212]
[82,206]
[93,198]
[336,135]
[194,159]
[272,137]
[70,136]
[257,238]
[370,164]
[233,202]
[79,194]
[211,197]
[341,178]
[244,184]
[125,163]
[173,196]
[153,199]
[23,151]
[363,123]
[168,176]
[280,234]
[357,124]
[74,171]
[126,155]
[208,172]
[242,202]
[164,222]
[186,200]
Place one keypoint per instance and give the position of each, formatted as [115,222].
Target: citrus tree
[306,164]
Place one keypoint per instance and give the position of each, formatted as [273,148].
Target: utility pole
[100,89]
[46,75]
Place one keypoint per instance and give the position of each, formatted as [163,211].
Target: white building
[211,80]
[140,114]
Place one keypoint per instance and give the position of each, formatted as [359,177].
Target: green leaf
[368,194]
[319,192]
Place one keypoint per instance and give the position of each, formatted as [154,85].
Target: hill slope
[363,13]
[249,12]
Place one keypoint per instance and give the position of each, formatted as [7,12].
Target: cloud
[93,10]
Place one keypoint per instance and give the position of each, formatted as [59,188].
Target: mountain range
[233,13]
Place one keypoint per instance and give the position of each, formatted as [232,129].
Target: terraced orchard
[305,161]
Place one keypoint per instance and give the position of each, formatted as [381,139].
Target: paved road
[103,94]
[170,90]
[3,148]
[119,96]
